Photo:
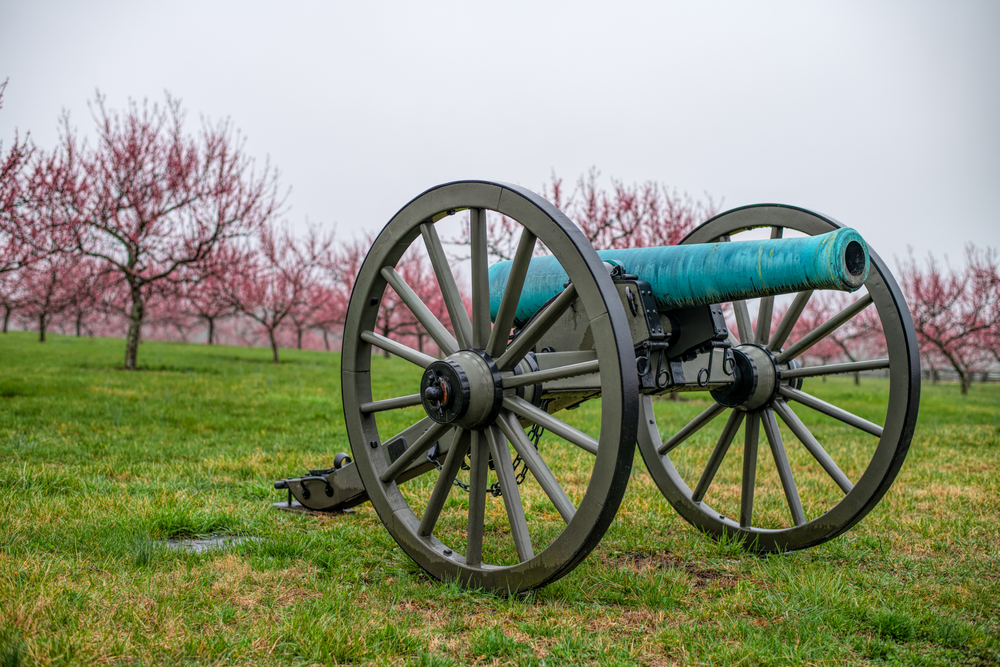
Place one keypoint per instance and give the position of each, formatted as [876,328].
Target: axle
[702,274]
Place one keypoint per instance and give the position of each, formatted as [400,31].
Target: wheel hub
[755,379]
[756,376]
[463,389]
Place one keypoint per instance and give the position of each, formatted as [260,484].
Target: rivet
[447,552]
[373,443]
[374,301]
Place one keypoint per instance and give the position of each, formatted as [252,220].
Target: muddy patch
[202,544]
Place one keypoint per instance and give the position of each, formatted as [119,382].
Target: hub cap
[463,389]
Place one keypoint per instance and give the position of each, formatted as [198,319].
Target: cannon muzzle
[690,275]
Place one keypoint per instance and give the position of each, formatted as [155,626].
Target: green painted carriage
[474,493]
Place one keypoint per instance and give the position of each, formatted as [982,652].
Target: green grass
[98,465]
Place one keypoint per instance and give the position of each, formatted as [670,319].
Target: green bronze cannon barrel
[690,275]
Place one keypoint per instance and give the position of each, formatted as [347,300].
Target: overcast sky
[884,115]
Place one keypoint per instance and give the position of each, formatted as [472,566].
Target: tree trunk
[134,329]
[298,333]
[274,344]
[850,357]
[326,340]
[964,372]
[211,330]
[41,328]
[6,318]
[79,323]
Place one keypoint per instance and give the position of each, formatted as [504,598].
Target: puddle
[201,544]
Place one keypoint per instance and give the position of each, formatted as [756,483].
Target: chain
[520,467]
[534,435]
[436,460]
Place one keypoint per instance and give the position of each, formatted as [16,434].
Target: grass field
[98,466]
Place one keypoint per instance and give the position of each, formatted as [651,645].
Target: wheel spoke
[806,438]
[535,329]
[743,326]
[523,408]
[830,410]
[763,330]
[718,454]
[511,294]
[824,329]
[526,450]
[784,469]
[550,374]
[452,464]
[400,350]
[413,431]
[479,456]
[415,451]
[445,341]
[749,469]
[391,404]
[788,321]
[449,288]
[480,279]
[511,495]
[834,369]
[692,427]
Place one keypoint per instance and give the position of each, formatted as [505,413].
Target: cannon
[457,469]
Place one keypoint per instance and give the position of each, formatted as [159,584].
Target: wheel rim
[760,428]
[415,515]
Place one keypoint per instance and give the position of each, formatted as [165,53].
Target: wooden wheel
[477,401]
[838,464]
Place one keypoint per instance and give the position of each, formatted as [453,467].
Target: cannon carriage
[610,330]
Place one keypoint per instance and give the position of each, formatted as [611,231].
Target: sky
[883,115]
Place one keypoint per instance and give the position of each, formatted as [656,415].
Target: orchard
[151,231]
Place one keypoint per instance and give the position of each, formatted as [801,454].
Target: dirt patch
[642,619]
[635,561]
[629,621]
[232,579]
[430,616]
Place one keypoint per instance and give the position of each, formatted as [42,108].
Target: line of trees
[956,312]
[154,231]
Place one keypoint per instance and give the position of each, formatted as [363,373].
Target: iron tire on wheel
[468,340]
[861,493]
